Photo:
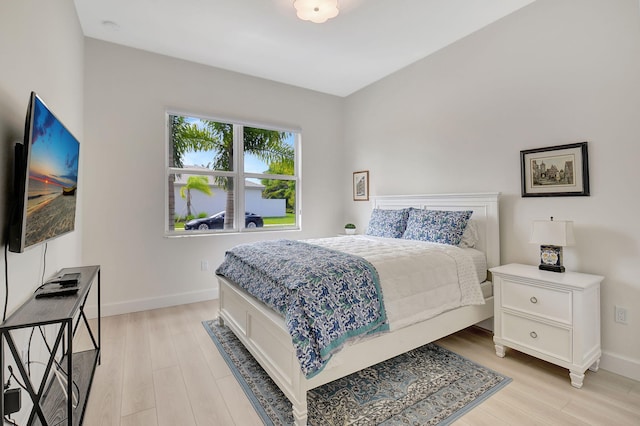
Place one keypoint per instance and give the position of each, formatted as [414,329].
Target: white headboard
[484,207]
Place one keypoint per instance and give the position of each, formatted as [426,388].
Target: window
[225,176]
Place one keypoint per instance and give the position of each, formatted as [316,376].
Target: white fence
[211,204]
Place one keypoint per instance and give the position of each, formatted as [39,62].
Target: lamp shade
[552,232]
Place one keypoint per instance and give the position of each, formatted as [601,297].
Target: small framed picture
[554,171]
[361,186]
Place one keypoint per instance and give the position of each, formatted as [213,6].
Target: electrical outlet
[204,265]
[621,315]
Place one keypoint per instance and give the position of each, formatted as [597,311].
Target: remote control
[53,292]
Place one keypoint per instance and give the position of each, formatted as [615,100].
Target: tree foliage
[277,188]
[186,137]
[196,183]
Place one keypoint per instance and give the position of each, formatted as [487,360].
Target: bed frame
[264,334]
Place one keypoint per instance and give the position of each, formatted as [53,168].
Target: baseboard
[621,365]
[118,308]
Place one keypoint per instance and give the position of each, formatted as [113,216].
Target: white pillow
[470,235]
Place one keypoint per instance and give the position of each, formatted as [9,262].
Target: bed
[264,333]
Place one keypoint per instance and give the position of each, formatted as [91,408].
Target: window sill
[264,230]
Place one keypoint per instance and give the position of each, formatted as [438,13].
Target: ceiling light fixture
[317,11]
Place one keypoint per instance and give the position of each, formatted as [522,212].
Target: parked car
[251,220]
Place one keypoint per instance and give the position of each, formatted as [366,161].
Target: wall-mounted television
[45,180]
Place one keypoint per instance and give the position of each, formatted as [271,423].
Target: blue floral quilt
[326,296]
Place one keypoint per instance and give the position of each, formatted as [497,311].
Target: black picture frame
[555,171]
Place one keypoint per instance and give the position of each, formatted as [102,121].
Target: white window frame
[238,174]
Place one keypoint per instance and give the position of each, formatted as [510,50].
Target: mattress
[419,280]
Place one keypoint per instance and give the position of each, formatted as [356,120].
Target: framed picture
[555,171]
[361,186]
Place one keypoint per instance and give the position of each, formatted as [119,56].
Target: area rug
[429,385]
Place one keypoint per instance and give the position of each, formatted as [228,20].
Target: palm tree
[267,145]
[197,183]
[184,137]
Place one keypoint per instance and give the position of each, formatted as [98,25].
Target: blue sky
[54,150]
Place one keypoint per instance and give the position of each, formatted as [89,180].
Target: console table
[50,405]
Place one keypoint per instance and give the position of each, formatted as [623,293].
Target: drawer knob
[533,299]
[533,334]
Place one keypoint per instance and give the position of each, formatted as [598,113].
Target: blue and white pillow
[388,223]
[437,226]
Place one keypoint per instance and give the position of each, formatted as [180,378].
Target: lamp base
[551,258]
[553,268]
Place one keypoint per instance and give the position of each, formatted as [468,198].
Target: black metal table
[50,404]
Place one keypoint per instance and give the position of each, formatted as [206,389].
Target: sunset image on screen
[53,177]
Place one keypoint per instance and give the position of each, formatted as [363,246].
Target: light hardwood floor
[160,367]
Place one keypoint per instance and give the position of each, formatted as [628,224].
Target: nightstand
[552,316]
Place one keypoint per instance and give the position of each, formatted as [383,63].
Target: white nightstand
[552,316]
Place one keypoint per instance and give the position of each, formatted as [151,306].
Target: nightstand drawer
[545,338]
[545,302]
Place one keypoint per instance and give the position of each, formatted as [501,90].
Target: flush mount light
[317,11]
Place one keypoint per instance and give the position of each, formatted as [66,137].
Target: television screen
[46,180]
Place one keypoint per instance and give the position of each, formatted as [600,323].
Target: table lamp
[552,235]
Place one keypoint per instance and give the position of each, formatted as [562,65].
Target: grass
[289,219]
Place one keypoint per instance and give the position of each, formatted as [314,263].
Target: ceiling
[367,41]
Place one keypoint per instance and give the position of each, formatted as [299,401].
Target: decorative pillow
[437,226]
[388,223]
[470,235]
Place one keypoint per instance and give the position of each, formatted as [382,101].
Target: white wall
[41,49]
[555,72]
[265,207]
[127,93]
[217,202]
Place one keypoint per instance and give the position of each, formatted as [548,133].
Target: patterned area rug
[429,385]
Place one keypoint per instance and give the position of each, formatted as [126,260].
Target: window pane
[269,151]
[200,202]
[202,178]
[272,199]
[200,143]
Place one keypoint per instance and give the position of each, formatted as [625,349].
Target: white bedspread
[419,279]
